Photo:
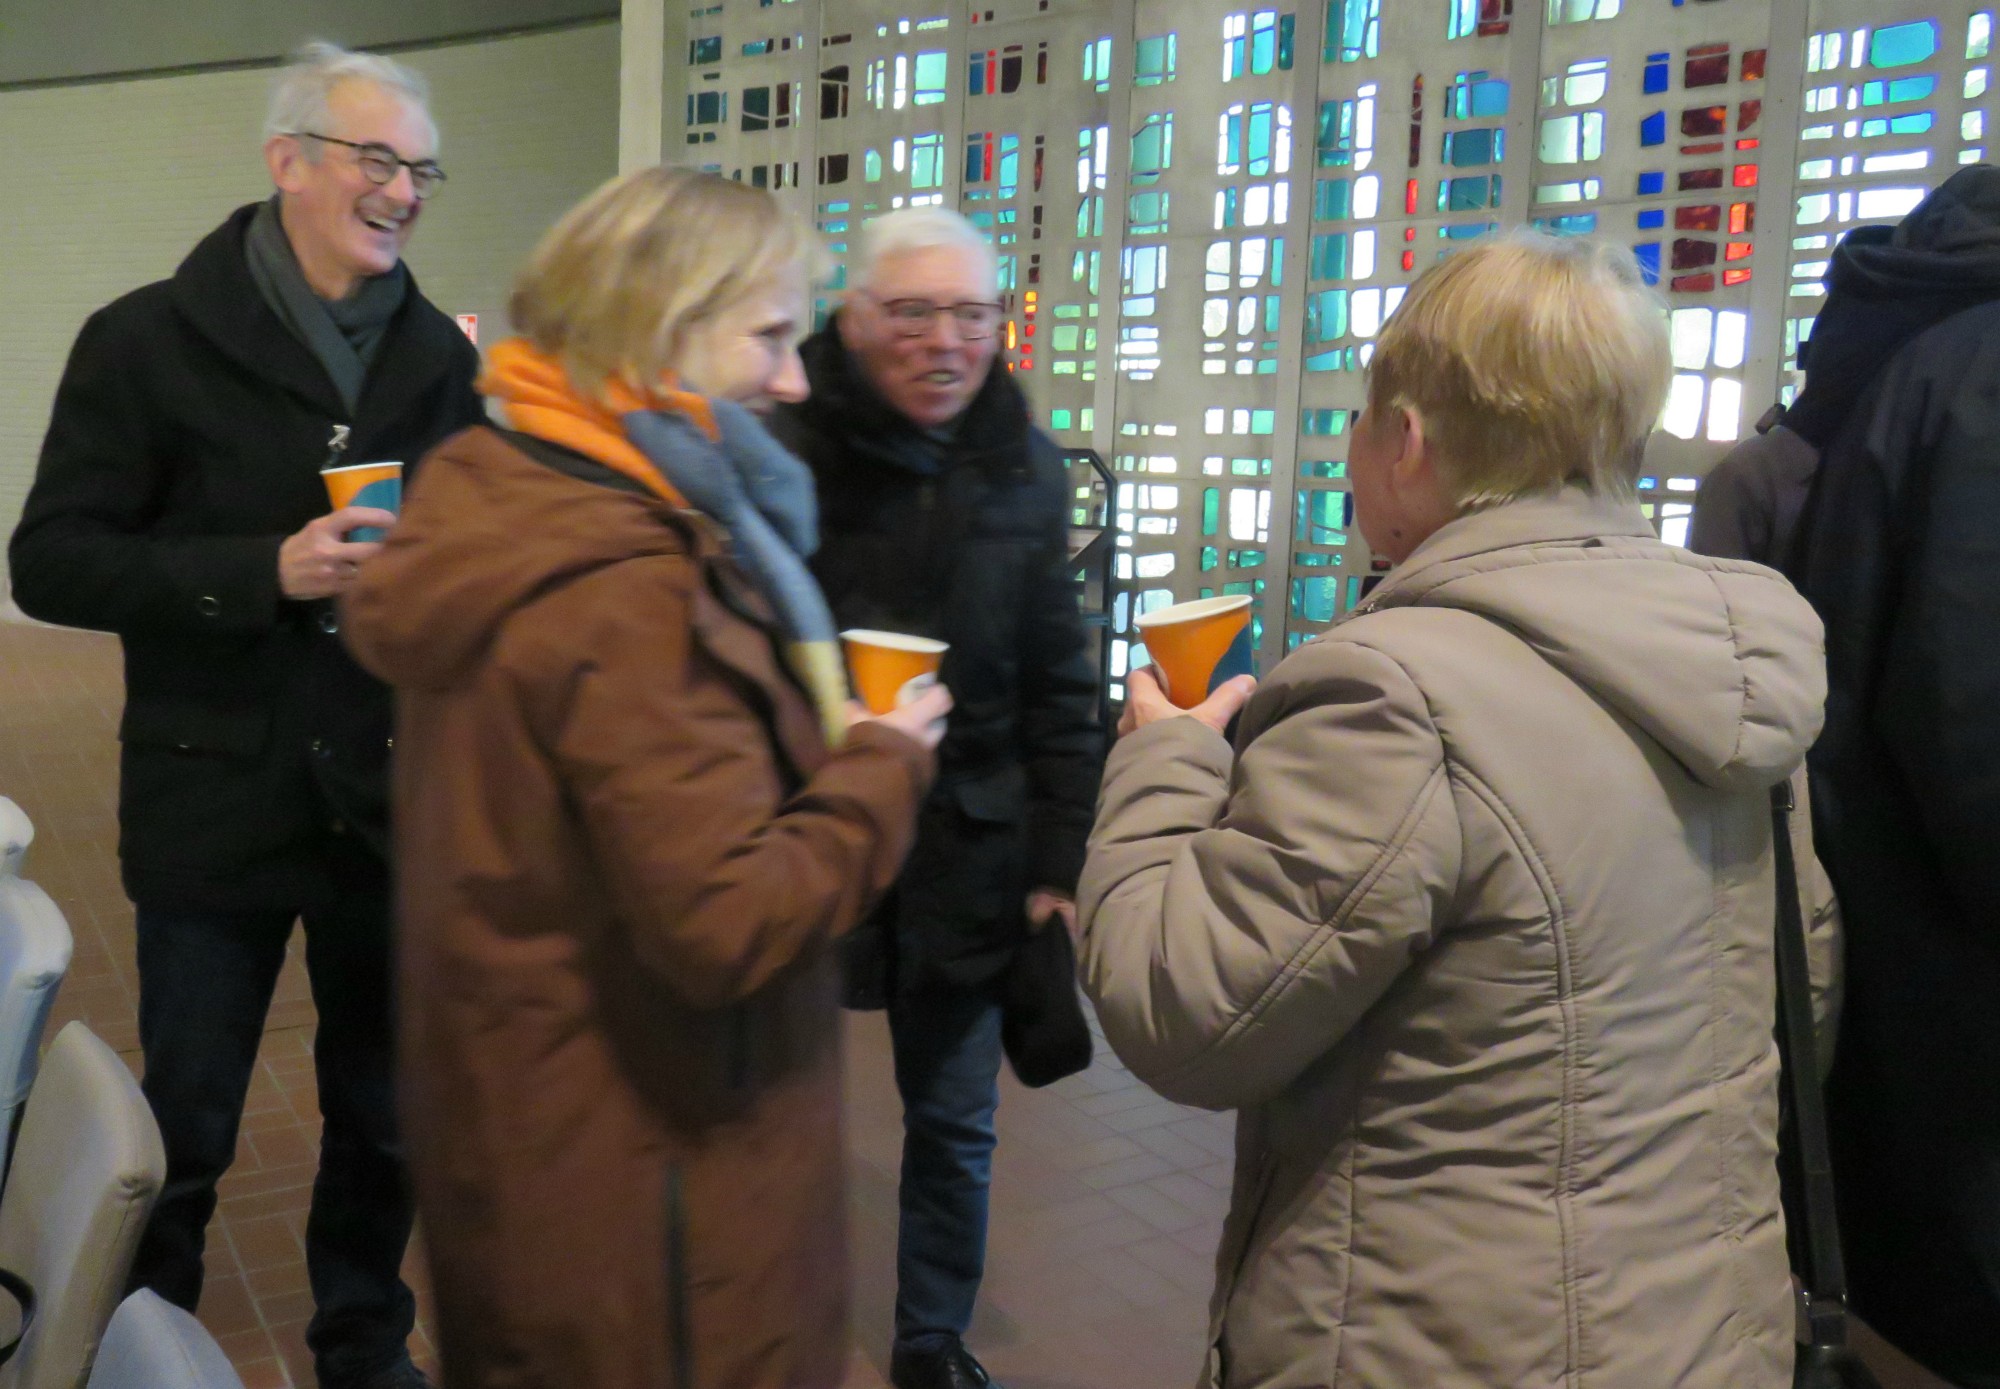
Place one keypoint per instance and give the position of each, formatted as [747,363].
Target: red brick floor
[1107,1200]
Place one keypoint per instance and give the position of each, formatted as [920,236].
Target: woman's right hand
[922,718]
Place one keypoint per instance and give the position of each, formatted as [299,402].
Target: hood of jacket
[1718,661]
[1885,285]
[845,405]
[489,530]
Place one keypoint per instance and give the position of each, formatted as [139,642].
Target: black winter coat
[1898,552]
[965,541]
[185,446]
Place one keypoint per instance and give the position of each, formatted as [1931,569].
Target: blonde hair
[617,287]
[1534,361]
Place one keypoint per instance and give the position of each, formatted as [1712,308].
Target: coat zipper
[679,1327]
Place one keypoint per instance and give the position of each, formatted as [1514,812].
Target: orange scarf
[537,398]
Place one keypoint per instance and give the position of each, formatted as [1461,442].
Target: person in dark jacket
[179,504]
[944,514]
[1897,552]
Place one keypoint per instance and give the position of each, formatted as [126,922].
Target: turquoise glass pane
[1326,315]
[1899,45]
[1915,124]
[1315,599]
[1329,256]
[1331,199]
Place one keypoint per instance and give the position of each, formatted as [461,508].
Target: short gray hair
[919,229]
[303,87]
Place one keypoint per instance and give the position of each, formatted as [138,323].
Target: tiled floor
[1107,1201]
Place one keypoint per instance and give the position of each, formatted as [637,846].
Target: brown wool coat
[624,851]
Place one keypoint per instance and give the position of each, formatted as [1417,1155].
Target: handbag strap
[1805,1120]
[23,1294]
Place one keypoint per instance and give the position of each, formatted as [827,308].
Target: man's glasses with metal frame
[912,318]
[379,163]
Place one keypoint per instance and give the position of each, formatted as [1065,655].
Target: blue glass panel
[1651,218]
[1657,73]
[1647,253]
[1330,199]
[1466,149]
[1652,181]
[1468,193]
[1899,45]
[1653,129]
[1329,256]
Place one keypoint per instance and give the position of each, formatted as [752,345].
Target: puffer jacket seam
[1322,938]
[1571,1067]
[1742,667]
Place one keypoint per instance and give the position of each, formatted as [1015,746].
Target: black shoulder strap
[1805,1114]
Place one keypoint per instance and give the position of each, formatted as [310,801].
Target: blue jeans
[205,983]
[947,1049]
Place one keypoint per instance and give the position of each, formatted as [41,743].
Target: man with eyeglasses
[944,513]
[179,504]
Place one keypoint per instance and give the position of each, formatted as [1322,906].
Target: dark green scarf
[343,334]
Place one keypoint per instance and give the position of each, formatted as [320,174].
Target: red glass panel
[1745,176]
[1691,254]
[1736,250]
[1747,113]
[1750,144]
[1705,120]
[1742,218]
[1700,178]
[1706,147]
[1694,284]
[1409,260]
[1707,65]
[1753,65]
[1735,277]
[1706,218]
[1410,197]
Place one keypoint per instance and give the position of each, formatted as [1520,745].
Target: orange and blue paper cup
[378,485]
[1198,645]
[882,663]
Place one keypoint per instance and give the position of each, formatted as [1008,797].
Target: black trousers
[205,984]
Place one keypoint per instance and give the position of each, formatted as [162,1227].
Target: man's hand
[1045,902]
[1146,702]
[317,563]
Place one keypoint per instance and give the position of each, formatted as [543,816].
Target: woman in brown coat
[627,839]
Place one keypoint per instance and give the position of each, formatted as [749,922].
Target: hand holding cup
[318,562]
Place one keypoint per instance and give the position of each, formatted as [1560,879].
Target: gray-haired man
[179,504]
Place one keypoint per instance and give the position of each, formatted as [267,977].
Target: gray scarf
[343,334]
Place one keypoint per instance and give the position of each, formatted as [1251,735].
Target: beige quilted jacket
[1474,928]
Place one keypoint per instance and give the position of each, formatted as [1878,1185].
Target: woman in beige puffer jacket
[1473,923]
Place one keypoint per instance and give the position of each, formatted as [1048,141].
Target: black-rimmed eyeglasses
[912,318]
[379,163]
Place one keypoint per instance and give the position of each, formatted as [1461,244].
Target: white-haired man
[944,512]
[178,503]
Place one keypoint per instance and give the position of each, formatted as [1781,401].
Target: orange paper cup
[883,662]
[1188,640]
[365,484]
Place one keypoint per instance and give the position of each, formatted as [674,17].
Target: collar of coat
[1569,515]
[215,295]
[993,432]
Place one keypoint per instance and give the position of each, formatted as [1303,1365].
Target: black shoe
[950,1368]
[402,1375]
